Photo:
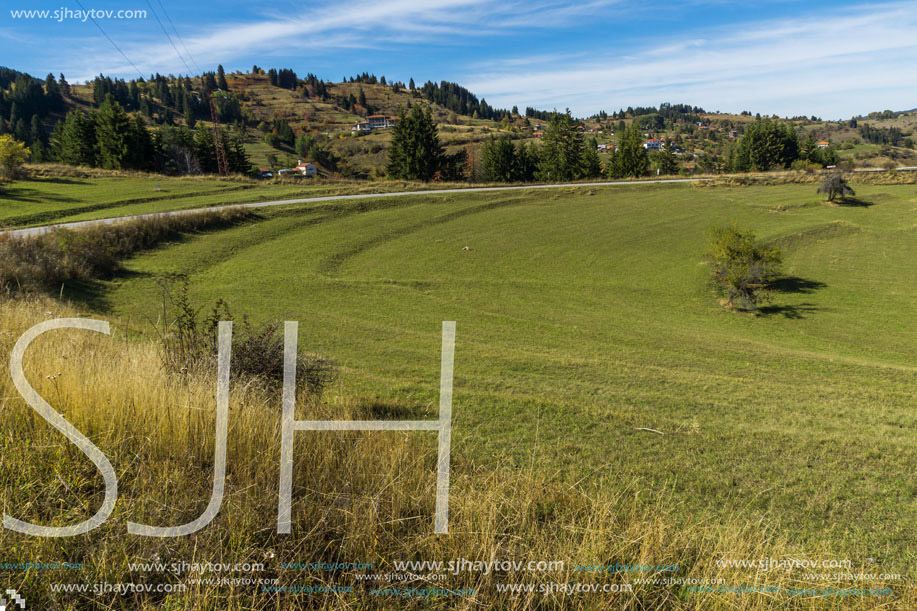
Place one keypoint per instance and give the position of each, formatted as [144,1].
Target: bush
[12,155]
[44,262]
[189,345]
[742,268]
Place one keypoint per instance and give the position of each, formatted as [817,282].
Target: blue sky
[831,59]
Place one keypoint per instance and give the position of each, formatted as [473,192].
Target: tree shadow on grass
[795,284]
[59,180]
[851,202]
[25,194]
[792,285]
[788,311]
[391,409]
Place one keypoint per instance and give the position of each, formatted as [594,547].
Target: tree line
[110,138]
[564,154]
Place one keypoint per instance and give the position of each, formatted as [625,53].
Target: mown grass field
[57,194]
[583,316]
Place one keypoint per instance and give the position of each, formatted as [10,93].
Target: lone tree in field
[12,155]
[415,152]
[741,267]
[835,188]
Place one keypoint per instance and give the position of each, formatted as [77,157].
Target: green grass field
[584,315]
[45,199]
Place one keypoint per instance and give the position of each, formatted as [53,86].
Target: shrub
[835,187]
[189,345]
[12,155]
[741,267]
[44,262]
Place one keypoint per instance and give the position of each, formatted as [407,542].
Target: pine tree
[64,85]
[526,162]
[221,78]
[55,141]
[141,149]
[499,159]
[204,149]
[411,84]
[134,95]
[21,131]
[766,144]
[591,165]
[77,141]
[362,98]
[189,114]
[237,158]
[631,158]
[666,161]
[36,132]
[415,152]
[561,154]
[112,138]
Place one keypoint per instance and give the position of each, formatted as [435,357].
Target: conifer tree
[204,149]
[631,158]
[561,153]
[77,140]
[112,137]
[415,152]
[221,78]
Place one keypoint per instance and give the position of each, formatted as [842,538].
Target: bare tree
[835,187]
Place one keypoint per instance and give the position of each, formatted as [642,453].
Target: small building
[653,144]
[265,173]
[823,144]
[538,134]
[306,168]
[375,122]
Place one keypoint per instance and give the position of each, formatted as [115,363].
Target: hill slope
[584,316]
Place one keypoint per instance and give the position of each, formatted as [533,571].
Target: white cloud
[830,65]
[340,25]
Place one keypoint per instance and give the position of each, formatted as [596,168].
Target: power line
[164,31]
[180,39]
[123,54]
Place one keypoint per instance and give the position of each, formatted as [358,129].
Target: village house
[375,122]
[306,168]
[653,144]
[823,144]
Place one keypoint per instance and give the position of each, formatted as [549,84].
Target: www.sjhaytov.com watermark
[67,14]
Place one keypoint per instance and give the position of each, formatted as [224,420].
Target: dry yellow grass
[358,497]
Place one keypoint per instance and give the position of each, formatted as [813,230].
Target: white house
[653,144]
[306,168]
[375,122]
